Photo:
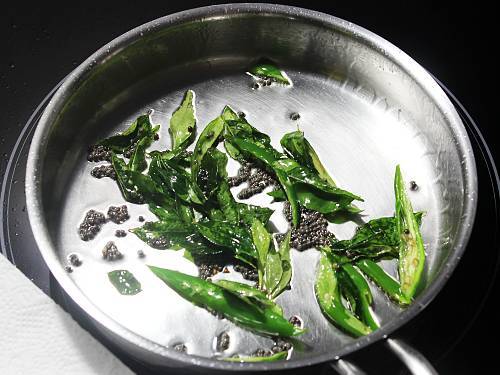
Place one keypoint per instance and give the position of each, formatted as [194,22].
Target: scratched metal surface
[362,111]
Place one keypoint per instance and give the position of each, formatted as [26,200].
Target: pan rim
[411,67]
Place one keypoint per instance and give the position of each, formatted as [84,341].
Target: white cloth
[38,337]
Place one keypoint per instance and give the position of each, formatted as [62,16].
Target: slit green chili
[390,286]
[361,292]
[411,246]
[256,317]
[330,301]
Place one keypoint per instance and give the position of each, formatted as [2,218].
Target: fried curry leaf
[273,271]
[124,282]
[236,238]
[207,140]
[298,148]
[254,147]
[213,183]
[172,179]
[183,123]
[317,201]
[300,184]
[271,72]
[249,212]
[139,129]
[255,151]
[376,239]
[163,214]
[137,187]
[262,240]
[216,188]
[303,186]
[286,267]
[175,235]
[137,160]
[273,266]
[238,127]
[225,206]
[181,157]
[212,173]
[301,175]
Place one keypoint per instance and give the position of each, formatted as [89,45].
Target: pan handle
[415,362]
[345,367]
[411,357]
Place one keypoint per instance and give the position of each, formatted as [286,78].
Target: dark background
[42,42]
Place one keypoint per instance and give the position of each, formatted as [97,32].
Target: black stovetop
[42,43]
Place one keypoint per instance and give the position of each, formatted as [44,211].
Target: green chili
[360,290]
[390,286]
[250,292]
[275,357]
[411,247]
[216,298]
[328,296]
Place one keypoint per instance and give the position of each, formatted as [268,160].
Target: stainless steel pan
[364,105]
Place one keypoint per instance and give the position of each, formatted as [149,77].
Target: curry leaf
[175,235]
[300,174]
[273,271]
[274,267]
[270,71]
[238,127]
[286,267]
[173,180]
[181,157]
[376,239]
[140,128]
[207,140]
[249,212]
[291,194]
[138,159]
[233,237]
[298,148]
[318,201]
[125,282]
[216,188]
[262,240]
[162,213]
[137,187]
[212,172]
[300,184]
[183,123]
